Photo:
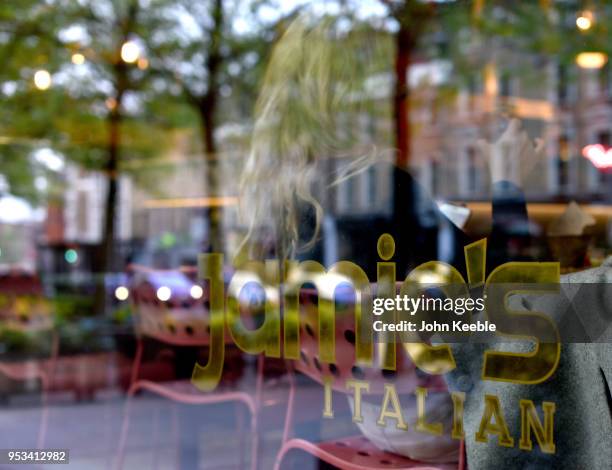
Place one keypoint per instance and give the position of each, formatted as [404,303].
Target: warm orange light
[591,60]
[532,109]
[585,20]
[111,103]
[143,63]
[490,80]
[221,201]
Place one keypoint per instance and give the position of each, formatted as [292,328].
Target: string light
[196,292]
[78,59]
[122,293]
[130,52]
[585,20]
[164,293]
[143,63]
[42,79]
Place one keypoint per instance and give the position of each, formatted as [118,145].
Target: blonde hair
[315,74]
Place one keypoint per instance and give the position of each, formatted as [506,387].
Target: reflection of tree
[412,17]
[102,128]
[472,34]
[120,79]
[105,114]
[83,115]
[205,101]
[92,119]
[213,66]
[26,43]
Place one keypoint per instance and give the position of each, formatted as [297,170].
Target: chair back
[406,377]
[170,306]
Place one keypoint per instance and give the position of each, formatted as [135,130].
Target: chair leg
[136,364]
[124,428]
[462,456]
[254,440]
[44,417]
[240,428]
[133,388]
[175,432]
[155,436]
[288,418]
[289,415]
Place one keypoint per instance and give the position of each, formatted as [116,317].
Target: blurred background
[124,129]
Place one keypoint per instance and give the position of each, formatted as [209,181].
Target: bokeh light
[143,63]
[42,79]
[71,256]
[122,293]
[130,52]
[78,59]
[585,20]
[196,292]
[591,60]
[583,23]
[164,293]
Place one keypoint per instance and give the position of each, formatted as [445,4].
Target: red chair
[356,452]
[178,321]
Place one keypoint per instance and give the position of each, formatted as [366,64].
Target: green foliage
[122,315]
[182,40]
[27,43]
[528,27]
[67,307]
[16,343]
[72,116]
